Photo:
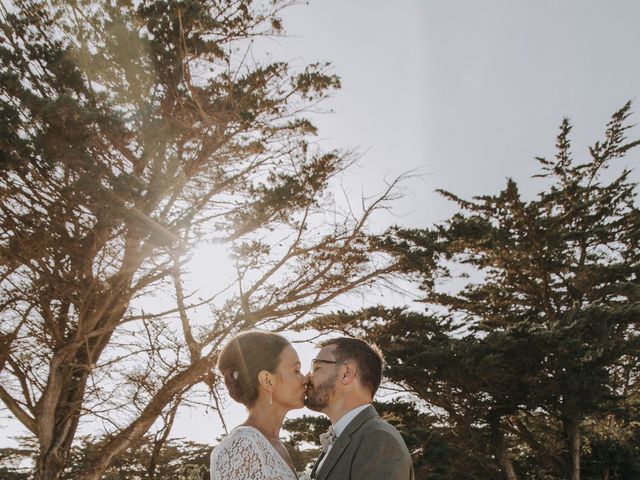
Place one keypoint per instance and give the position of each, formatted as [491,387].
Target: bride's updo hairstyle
[246,355]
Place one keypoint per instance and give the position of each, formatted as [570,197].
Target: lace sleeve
[237,457]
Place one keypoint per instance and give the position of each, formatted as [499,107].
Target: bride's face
[290,386]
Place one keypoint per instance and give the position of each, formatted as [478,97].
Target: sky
[467,92]
[463,92]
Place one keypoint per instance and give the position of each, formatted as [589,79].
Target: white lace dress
[245,454]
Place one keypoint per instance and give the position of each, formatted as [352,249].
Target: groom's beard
[318,397]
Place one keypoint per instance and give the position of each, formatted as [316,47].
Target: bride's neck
[266,418]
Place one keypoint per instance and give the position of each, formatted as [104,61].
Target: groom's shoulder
[378,425]
[379,435]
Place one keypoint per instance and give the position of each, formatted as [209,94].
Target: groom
[343,379]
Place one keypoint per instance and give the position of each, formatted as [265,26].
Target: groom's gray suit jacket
[368,449]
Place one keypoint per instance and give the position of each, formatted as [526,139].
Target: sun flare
[210,269]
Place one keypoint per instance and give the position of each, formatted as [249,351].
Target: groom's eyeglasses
[315,361]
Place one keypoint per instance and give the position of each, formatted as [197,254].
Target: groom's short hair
[367,357]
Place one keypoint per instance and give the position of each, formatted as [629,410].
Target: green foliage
[613,455]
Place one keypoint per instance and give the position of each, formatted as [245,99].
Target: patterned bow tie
[327,439]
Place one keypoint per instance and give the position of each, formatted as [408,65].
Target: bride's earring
[270,398]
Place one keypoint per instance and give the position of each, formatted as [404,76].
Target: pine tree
[542,338]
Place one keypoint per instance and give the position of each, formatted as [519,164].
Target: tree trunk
[58,417]
[49,466]
[500,448]
[572,427]
[505,464]
[59,407]
[605,473]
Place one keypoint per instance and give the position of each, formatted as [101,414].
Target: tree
[543,336]
[178,457]
[130,132]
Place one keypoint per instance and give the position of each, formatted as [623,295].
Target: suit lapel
[337,449]
[343,441]
[316,463]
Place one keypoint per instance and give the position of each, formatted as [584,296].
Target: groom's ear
[264,379]
[349,373]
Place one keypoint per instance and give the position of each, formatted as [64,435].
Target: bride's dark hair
[246,355]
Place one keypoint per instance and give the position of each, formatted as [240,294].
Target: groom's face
[321,386]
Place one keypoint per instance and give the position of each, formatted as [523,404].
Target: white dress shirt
[339,427]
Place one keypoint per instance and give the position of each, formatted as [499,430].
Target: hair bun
[232,382]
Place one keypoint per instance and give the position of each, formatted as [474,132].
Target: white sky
[466,91]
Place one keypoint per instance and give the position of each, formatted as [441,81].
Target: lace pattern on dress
[245,454]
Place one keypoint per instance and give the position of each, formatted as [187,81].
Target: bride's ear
[265,379]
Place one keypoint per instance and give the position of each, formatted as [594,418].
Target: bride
[262,372]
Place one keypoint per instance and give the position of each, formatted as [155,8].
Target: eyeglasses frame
[332,362]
